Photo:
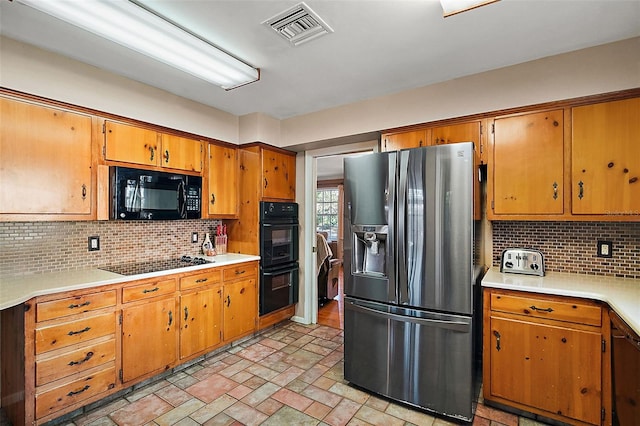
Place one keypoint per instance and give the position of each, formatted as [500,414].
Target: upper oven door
[278,244]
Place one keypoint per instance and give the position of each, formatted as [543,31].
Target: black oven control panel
[271,212]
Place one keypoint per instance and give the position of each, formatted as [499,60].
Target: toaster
[522,261]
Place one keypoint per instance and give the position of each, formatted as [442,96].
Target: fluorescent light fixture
[452,7]
[136,28]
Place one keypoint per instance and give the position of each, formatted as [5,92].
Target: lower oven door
[278,287]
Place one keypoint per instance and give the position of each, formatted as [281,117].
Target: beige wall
[606,68]
[600,69]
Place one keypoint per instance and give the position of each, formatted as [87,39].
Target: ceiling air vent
[298,24]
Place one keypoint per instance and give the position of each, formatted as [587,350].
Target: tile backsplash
[37,247]
[571,246]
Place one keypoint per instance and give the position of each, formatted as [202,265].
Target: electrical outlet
[604,249]
[194,237]
[94,243]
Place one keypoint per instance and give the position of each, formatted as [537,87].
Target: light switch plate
[94,243]
[194,237]
[605,248]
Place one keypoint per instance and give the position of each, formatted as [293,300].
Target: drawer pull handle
[534,308]
[71,333]
[73,305]
[495,333]
[150,291]
[79,391]
[240,272]
[186,313]
[82,361]
[202,280]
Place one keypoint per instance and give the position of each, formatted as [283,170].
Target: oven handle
[269,225]
[280,271]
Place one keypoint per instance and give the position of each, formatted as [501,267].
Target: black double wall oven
[279,231]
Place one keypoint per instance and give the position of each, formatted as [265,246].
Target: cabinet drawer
[148,290]
[69,333]
[198,280]
[74,305]
[570,311]
[242,270]
[75,391]
[75,361]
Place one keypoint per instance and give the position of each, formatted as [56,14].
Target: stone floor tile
[221,420]
[342,413]
[290,416]
[240,391]
[272,343]
[292,399]
[358,422]
[523,421]
[211,388]
[262,371]
[325,397]
[185,382]
[256,352]
[260,394]
[326,333]
[235,368]
[269,406]
[332,358]
[318,410]
[254,382]
[377,418]
[231,358]
[303,359]
[302,341]
[289,349]
[213,409]
[287,376]
[146,390]
[481,421]
[317,349]
[313,373]
[246,415]
[297,385]
[99,413]
[102,421]
[378,403]
[348,392]
[173,395]
[336,373]
[187,421]
[409,415]
[209,370]
[442,422]
[140,412]
[178,413]
[241,377]
[324,383]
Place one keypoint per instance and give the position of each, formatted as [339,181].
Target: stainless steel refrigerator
[411,270]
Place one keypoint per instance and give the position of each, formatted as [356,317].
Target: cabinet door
[148,338]
[223,180]
[278,175]
[464,132]
[200,318]
[528,164]
[36,145]
[553,368]
[240,309]
[181,153]
[131,144]
[397,141]
[605,158]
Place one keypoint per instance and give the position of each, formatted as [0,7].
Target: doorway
[307,311]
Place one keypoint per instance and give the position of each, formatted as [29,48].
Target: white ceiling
[378,47]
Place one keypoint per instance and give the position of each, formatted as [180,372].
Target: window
[327,212]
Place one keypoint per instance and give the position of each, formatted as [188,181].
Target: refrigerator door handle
[459,326]
[402,282]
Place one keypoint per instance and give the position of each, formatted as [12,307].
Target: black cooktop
[155,265]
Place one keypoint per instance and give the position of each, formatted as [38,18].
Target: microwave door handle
[182,200]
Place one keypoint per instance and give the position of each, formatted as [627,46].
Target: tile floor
[289,375]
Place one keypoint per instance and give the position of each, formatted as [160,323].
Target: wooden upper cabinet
[528,164]
[398,141]
[36,174]
[181,153]
[464,132]
[605,154]
[223,181]
[278,175]
[137,145]
[131,144]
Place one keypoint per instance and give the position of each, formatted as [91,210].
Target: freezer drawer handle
[452,325]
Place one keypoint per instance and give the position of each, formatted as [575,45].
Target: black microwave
[152,195]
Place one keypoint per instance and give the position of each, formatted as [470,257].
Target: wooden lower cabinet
[545,355]
[149,335]
[63,351]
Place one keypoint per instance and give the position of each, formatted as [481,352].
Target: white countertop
[18,289]
[621,294]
